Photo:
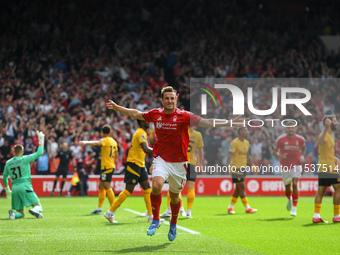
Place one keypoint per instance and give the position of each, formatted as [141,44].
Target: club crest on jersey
[175,118]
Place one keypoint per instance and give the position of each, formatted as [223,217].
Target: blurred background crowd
[60,61]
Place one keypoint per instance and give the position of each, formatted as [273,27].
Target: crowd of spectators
[60,61]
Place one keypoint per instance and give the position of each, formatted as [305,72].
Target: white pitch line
[165,222]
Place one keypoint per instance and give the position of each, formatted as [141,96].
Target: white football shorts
[175,173]
[288,175]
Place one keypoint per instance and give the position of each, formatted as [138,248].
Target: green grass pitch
[68,228]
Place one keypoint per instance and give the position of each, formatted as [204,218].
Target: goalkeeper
[19,170]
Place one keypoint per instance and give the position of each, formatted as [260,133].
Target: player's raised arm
[33,157]
[133,113]
[237,122]
[328,129]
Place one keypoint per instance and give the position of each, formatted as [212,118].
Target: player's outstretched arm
[91,143]
[216,123]
[133,113]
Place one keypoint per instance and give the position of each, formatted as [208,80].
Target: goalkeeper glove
[41,138]
[8,192]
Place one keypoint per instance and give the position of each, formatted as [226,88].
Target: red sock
[289,195]
[295,199]
[156,201]
[174,212]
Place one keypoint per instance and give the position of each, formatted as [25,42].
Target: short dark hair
[139,123]
[327,117]
[106,129]
[168,89]
[240,129]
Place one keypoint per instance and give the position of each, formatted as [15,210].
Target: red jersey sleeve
[194,119]
[148,116]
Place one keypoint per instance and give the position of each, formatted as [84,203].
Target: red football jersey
[292,146]
[172,133]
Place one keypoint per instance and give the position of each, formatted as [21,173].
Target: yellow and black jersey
[240,152]
[326,154]
[109,148]
[195,141]
[136,153]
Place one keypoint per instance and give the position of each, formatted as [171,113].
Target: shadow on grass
[182,218]
[318,224]
[145,248]
[224,214]
[20,219]
[276,219]
[86,215]
[122,223]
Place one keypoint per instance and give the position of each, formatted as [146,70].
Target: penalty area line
[165,222]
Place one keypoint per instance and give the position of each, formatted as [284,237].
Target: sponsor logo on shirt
[160,125]
[291,147]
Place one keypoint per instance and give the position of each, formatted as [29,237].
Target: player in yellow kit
[195,143]
[237,160]
[135,171]
[109,151]
[328,166]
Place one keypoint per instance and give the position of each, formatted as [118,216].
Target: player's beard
[333,127]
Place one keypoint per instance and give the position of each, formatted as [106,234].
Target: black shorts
[135,174]
[106,175]
[62,171]
[326,179]
[191,173]
[238,177]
